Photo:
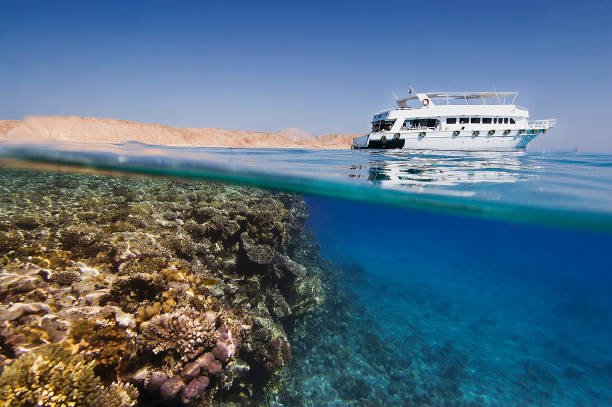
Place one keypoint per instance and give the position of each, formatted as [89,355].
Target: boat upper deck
[465,98]
[437,111]
[455,104]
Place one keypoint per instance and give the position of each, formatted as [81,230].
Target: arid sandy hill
[92,130]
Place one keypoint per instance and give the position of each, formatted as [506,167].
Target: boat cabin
[481,111]
[458,120]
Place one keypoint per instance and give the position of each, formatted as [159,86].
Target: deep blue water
[525,309]
[474,278]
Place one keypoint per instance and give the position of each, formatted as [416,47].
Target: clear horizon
[319,67]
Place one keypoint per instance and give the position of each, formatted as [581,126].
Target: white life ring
[425,102]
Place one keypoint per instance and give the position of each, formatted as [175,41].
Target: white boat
[472,121]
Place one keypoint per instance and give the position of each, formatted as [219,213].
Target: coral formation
[49,376]
[10,240]
[184,332]
[118,394]
[184,292]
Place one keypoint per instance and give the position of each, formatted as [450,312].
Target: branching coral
[80,237]
[185,332]
[269,220]
[142,265]
[65,277]
[10,240]
[49,376]
[118,394]
[182,244]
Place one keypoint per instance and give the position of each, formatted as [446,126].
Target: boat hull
[447,140]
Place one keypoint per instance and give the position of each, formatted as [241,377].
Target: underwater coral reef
[122,291]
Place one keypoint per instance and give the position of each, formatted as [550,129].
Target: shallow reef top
[132,291]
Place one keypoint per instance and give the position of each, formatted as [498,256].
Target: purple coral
[209,364]
[226,345]
[194,389]
[171,387]
[156,380]
[190,370]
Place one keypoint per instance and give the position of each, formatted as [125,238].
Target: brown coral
[118,394]
[111,347]
[65,277]
[49,376]
[10,240]
[184,333]
[132,290]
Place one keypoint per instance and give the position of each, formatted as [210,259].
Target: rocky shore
[129,291]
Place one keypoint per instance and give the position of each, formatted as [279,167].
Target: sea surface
[352,278]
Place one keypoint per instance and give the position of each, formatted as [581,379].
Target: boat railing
[542,124]
[418,128]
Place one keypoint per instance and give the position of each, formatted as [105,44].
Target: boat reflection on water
[564,181]
[421,170]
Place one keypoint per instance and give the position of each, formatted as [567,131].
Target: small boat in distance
[471,121]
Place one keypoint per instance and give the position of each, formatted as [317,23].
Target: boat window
[451,120]
[475,120]
[500,120]
[486,120]
[506,120]
[495,120]
[420,123]
[381,125]
[464,120]
[512,121]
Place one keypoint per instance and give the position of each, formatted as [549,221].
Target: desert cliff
[95,130]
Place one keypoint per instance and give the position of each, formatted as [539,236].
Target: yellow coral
[147,312]
[49,376]
[210,282]
[33,335]
[81,329]
[118,394]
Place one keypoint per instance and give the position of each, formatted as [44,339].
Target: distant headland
[96,130]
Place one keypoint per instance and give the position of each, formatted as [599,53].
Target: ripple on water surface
[571,189]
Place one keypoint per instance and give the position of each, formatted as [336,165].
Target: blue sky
[322,67]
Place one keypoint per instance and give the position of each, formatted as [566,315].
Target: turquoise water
[430,278]
[563,188]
